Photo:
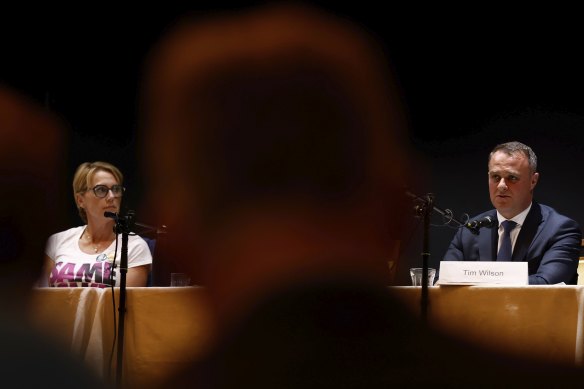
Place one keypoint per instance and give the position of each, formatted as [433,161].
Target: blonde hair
[83,176]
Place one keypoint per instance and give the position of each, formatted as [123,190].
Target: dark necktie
[506,247]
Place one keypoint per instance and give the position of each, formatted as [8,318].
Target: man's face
[511,183]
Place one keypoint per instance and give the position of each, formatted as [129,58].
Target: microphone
[486,221]
[111,215]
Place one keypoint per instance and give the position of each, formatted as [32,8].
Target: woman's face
[96,206]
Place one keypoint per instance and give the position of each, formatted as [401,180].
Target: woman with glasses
[85,256]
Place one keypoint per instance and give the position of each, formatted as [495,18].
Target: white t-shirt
[74,268]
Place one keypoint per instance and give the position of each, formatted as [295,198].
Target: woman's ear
[79,199]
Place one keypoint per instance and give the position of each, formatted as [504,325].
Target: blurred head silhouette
[32,195]
[31,164]
[275,150]
[274,147]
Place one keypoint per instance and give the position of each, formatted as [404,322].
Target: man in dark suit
[536,233]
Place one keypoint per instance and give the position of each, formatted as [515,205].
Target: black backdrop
[471,78]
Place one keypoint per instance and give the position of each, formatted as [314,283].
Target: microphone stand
[425,210]
[123,226]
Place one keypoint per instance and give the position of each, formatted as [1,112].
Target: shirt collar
[519,218]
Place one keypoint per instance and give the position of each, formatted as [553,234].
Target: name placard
[483,273]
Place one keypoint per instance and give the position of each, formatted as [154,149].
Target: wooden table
[167,327]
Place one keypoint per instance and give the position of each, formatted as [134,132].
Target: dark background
[471,78]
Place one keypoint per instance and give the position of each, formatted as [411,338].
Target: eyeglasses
[101,191]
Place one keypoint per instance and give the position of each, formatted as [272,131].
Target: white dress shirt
[519,219]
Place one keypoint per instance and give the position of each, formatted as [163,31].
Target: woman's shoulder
[61,239]
[141,247]
[71,232]
[139,240]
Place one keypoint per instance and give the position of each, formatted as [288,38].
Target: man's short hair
[514,147]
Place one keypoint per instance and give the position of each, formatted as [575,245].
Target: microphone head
[490,222]
[475,225]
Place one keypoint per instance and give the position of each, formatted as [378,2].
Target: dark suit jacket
[548,241]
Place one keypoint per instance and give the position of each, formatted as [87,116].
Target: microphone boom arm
[473,226]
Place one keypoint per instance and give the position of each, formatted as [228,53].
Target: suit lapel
[527,233]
